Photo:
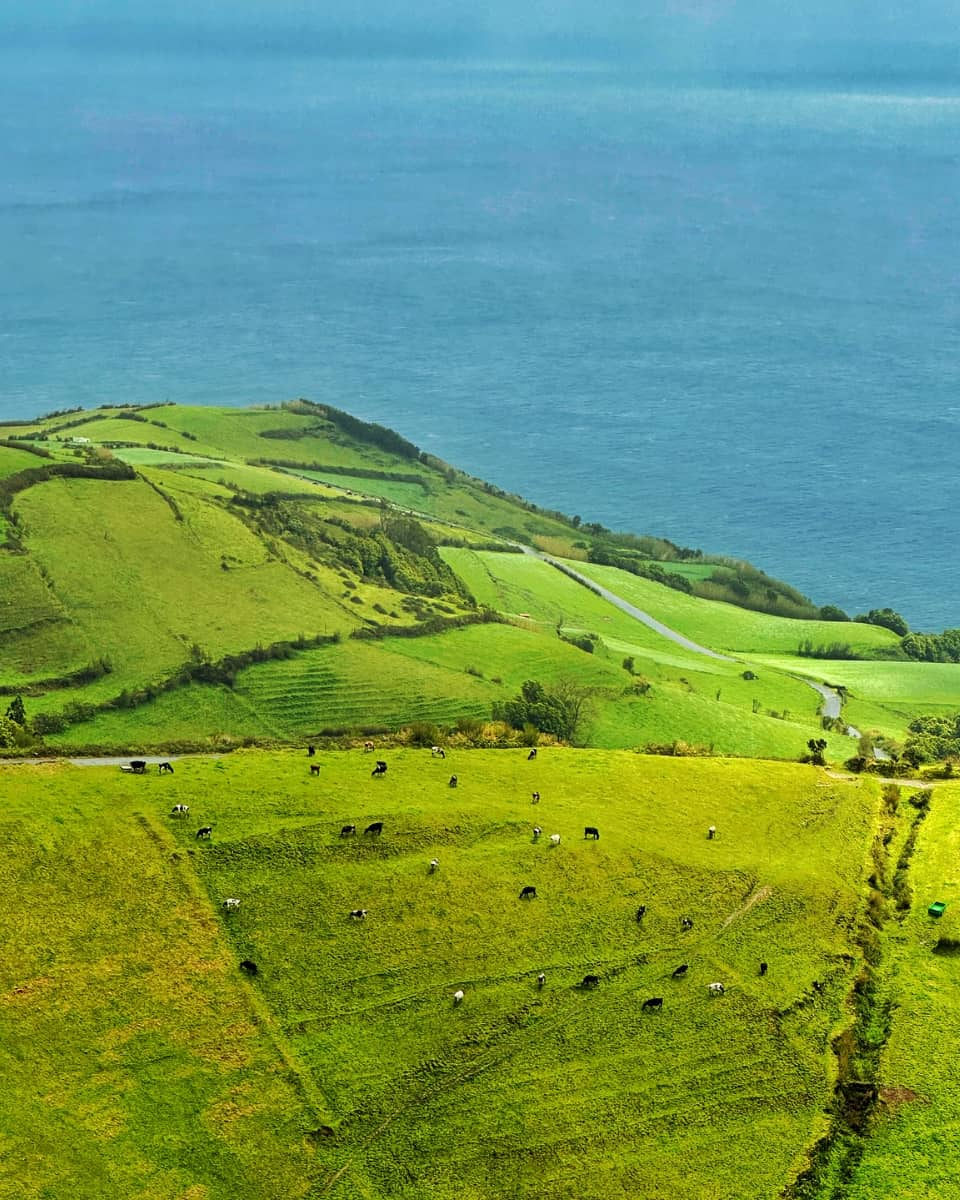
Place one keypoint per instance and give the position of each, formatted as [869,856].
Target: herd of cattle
[529,892]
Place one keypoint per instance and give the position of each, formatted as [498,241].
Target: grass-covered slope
[178,1072]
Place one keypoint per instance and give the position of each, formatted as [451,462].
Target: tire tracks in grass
[176,866]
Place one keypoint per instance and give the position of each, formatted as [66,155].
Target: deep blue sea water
[725,314]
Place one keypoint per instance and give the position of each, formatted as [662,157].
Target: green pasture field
[358,685]
[883,696]
[727,627]
[911,1153]
[12,461]
[155,1066]
[679,705]
[143,456]
[261,480]
[37,639]
[689,570]
[135,1062]
[118,560]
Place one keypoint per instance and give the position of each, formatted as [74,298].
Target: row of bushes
[56,683]
[22,480]
[432,625]
[338,469]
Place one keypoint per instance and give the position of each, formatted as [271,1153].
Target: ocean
[723,312]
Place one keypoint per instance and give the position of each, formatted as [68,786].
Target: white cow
[179,810]
[458,996]
[554,839]
[715,989]
[231,902]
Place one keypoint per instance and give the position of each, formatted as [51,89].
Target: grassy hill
[155,1067]
[139,601]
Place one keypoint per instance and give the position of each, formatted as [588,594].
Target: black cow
[528,893]
[532,755]
[641,912]
[590,981]
[314,768]
[763,968]
[686,922]
[358,914]
[311,751]
[681,971]
[536,798]
[654,1004]
[165,768]
[541,979]
[205,832]
[818,987]
[379,769]
[249,966]
[138,765]
[453,781]
[347,830]
[374,829]
[591,831]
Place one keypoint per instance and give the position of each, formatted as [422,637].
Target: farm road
[625,606]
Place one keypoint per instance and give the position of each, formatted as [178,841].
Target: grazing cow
[554,839]
[375,828]
[437,752]
[314,768]
[763,968]
[541,979]
[205,832]
[138,765]
[536,798]
[715,989]
[179,810]
[458,996]
[347,830]
[681,971]
[379,769]
[368,747]
[249,966]
[591,831]
[528,893]
[532,755]
[359,914]
[712,832]
[654,1004]
[453,781]
[536,832]
[590,981]
[641,912]
[686,922]
[818,987]
[231,902]
[434,865]
[311,751]
[165,768]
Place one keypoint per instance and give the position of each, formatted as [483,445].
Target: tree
[887,618]
[816,746]
[16,712]
[559,709]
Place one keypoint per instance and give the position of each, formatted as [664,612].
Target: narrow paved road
[624,605]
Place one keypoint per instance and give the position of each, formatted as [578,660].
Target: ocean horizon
[722,312]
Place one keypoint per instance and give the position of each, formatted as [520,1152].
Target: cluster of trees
[14,727]
[607,557]
[887,618]
[933,647]
[558,709]
[363,431]
[933,739]
[398,553]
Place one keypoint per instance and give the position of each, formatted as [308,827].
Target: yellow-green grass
[143,456]
[681,705]
[912,1150]
[559,1092]
[12,461]
[883,696]
[37,639]
[260,480]
[361,684]
[725,626]
[197,715]
[136,1060]
[119,563]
